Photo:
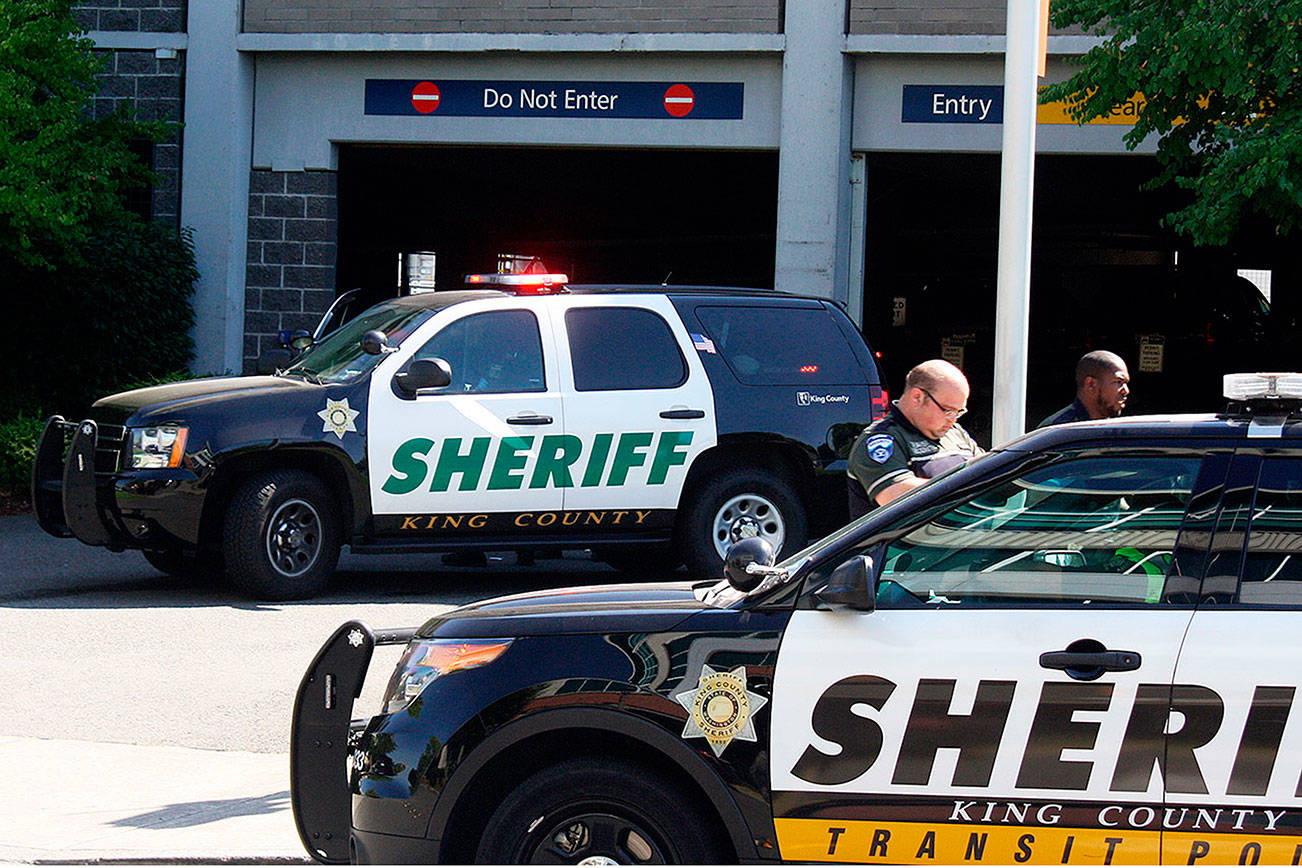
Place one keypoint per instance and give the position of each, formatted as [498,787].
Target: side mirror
[851,586]
[272,360]
[300,340]
[743,553]
[424,374]
[374,343]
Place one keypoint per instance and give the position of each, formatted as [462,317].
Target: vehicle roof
[447,297]
[1192,426]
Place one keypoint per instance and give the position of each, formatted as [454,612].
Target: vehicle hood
[595,609]
[178,399]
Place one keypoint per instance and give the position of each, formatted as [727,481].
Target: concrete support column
[215,158]
[814,162]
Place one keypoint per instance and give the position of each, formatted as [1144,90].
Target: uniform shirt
[891,449]
[1073,412]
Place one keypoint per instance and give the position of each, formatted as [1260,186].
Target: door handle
[531,419]
[1088,665]
[682,414]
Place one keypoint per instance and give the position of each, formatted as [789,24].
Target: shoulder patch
[880,447]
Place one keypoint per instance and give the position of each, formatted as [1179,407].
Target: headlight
[161,446]
[427,659]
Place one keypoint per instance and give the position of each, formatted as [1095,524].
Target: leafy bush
[87,330]
[18,438]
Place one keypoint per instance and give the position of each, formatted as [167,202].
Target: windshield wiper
[306,375]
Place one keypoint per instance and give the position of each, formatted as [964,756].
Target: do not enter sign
[425,97]
[679,100]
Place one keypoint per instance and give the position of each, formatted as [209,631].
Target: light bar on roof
[1247,387]
[517,279]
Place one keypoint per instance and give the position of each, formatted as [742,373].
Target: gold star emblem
[721,708]
[338,417]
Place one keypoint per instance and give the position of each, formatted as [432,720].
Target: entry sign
[709,100]
[952,104]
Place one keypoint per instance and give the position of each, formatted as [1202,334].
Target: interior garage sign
[712,100]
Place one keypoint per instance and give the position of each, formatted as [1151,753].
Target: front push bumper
[72,481]
[323,736]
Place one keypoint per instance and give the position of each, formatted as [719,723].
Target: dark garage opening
[1104,275]
[599,215]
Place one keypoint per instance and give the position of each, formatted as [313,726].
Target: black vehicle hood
[595,609]
[179,398]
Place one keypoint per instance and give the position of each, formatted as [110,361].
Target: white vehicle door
[473,456]
[1234,793]
[1006,699]
[638,400]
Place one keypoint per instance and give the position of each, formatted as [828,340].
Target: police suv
[653,425]
[1078,649]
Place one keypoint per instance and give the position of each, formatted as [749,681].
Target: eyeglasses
[948,413]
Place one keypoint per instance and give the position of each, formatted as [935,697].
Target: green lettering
[412,468]
[597,460]
[470,465]
[627,455]
[509,459]
[555,455]
[667,454]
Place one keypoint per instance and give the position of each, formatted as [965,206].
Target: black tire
[590,808]
[735,502]
[640,560]
[281,536]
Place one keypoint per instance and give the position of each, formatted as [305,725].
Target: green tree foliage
[1220,83]
[58,166]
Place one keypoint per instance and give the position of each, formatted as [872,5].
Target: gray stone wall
[932,17]
[153,87]
[135,16]
[513,16]
[293,231]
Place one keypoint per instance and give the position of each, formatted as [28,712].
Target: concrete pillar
[215,158]
[814,162]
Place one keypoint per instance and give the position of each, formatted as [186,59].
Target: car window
[1083,531]
[338,357]
[496,351]
[622,348]
[1272,561]
[780,345]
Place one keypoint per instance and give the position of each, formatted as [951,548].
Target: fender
[622,723]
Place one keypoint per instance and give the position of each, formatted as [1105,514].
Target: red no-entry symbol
[679,100]
[425,97]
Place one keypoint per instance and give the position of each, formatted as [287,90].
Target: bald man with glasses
[919,438]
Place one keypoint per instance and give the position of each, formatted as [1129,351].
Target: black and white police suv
[1082,648]
[652,425]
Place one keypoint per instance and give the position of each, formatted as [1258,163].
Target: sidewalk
[92,802]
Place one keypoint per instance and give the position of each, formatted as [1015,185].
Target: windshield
[339,356]
[724,594]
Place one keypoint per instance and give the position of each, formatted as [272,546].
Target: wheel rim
[294,538]
[748,515]
[594,838]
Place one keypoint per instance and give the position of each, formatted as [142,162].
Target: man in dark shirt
[919,438]
[1102,387]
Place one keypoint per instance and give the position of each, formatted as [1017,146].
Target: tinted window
[622,348]
[499,351]
[1272,562]
[1088,530]
[786,346]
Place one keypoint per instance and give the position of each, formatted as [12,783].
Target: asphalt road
[99,646]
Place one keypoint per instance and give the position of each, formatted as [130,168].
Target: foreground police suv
[531,415]
[1082,648]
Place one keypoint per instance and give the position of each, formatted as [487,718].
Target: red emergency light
[522,284]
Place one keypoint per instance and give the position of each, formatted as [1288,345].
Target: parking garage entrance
[599,215]
[1104,275]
